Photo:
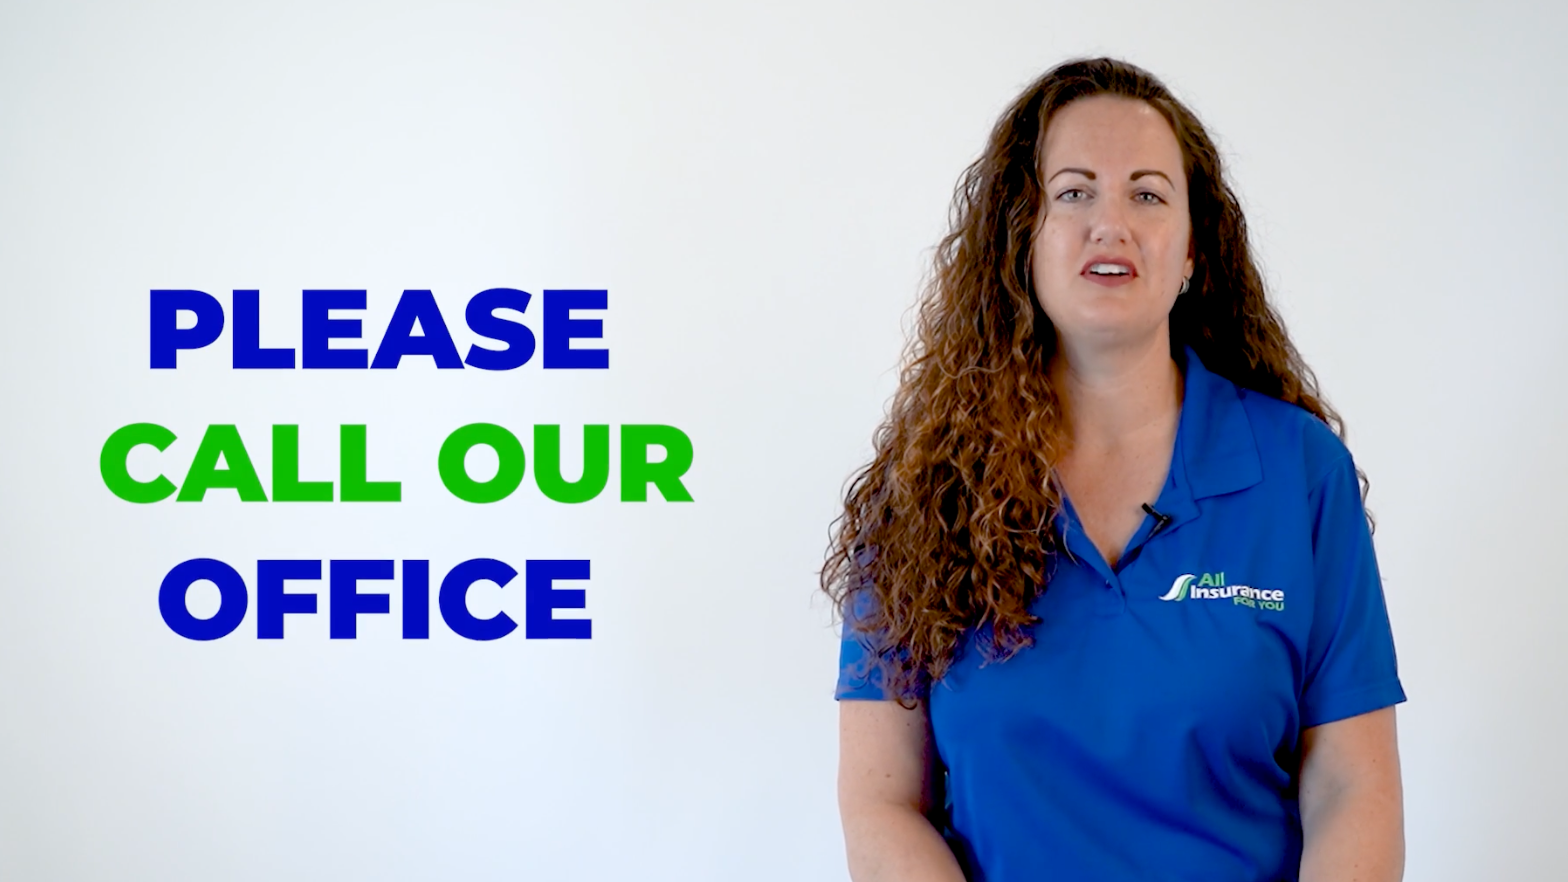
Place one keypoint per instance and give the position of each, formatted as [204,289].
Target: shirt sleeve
[1350,665]
[859,675]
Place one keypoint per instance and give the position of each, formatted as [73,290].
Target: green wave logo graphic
[1179,587]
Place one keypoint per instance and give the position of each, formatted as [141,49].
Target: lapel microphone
[1160,520]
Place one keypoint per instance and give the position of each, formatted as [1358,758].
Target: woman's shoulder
[1290,435]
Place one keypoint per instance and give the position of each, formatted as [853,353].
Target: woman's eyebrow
[1149,171]
[1082,171]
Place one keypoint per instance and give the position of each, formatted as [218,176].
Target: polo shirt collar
[1215,453]
[1218,450]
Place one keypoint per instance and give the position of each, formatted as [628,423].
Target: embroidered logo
[1211,586]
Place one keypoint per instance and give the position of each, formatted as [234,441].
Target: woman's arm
[1352,804]
[886,794]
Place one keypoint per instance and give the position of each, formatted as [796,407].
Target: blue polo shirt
[1153,729]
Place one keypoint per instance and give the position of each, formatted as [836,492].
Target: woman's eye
[1072,194]
[1152,198]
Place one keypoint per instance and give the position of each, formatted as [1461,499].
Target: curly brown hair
[951,527]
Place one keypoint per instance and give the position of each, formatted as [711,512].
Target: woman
[1112,610]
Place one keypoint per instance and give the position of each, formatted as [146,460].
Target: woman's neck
[1115,397]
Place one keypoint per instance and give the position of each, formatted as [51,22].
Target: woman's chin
[1113,331]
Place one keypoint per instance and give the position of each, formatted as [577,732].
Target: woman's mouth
[1109,272]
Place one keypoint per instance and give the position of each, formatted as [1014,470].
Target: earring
[1185,284]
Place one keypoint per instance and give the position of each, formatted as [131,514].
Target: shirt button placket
[1112,600]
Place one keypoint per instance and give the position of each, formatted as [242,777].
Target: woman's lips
[1109,280]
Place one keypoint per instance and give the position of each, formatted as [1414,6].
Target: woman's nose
[1108,225]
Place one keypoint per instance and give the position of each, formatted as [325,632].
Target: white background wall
[758,187]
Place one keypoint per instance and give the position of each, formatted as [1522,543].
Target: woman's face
[1113,240]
